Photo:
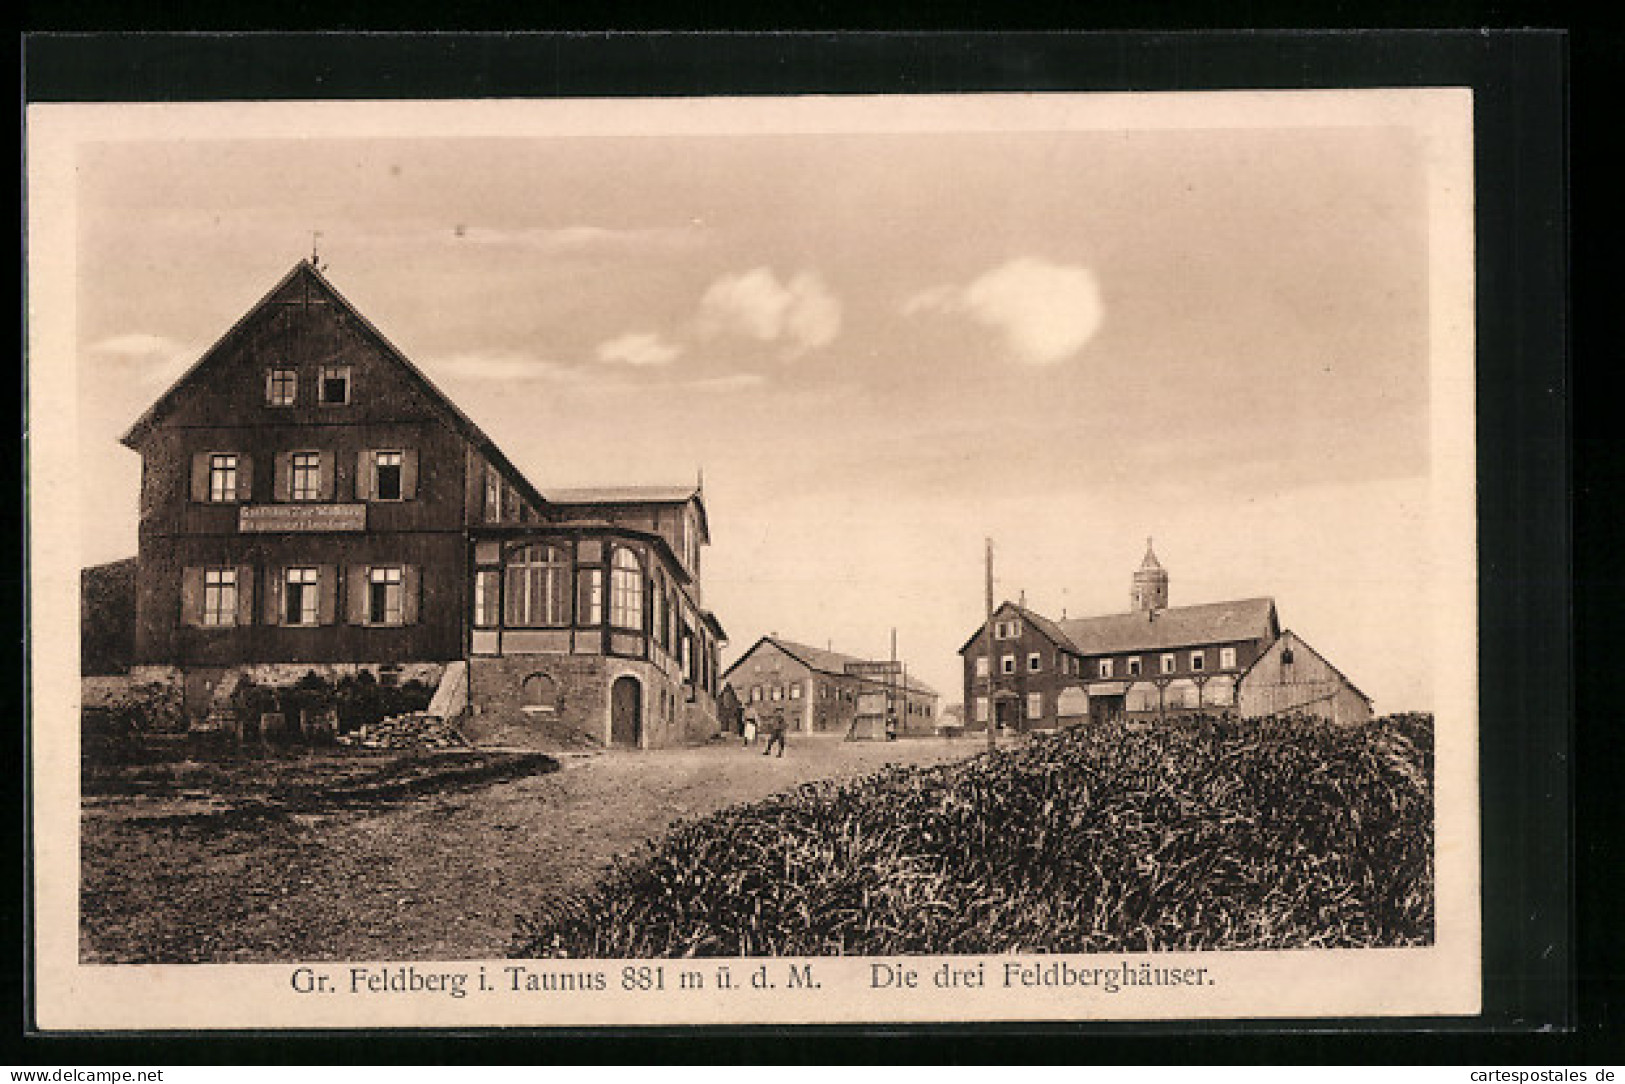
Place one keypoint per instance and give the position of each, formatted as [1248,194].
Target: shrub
[1212,833]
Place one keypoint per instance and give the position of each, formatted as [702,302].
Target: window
[1286,656]
[538,694]
[1104,668]
[1006,630]
[981,709]
[590,610]
[222,478]
[487,589]
[1227,658]
[625,590]
[1007,665]
[983,665]
[219,597]
[1198,660]
[301,589]
[755,694]
[778,692]
[335,385]
[1134,667]
[384,596]
[1167,664]
[386,476]
[537,579]
[1035,662]
[281,387]
[306,473]
[795,692]
[493,496]
[1035,705]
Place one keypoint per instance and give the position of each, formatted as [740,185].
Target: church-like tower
[1150,583]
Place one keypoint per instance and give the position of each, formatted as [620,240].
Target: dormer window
[281,387]
[334,389]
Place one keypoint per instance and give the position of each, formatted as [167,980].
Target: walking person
[775,733]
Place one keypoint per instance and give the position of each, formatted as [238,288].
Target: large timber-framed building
[310,501]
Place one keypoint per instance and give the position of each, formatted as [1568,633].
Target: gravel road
[441,876]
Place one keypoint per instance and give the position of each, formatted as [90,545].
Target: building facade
[1292,678]
[821,691]
[310,501]
[1023,671]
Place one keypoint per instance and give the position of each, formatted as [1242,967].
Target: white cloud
[502,365]
[158,359]
[801,313]
[733,382]
[639,348]
[1044,312]
[579,238]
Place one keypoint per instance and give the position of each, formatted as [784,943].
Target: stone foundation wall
[556,701]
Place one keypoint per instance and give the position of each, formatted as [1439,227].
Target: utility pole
[992,706]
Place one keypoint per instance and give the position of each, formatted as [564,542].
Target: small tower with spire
[1150,584]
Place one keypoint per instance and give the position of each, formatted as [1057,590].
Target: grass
[1196,835]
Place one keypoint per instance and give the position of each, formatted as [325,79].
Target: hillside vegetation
[1202,834]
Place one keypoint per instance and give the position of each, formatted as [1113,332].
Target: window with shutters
[387,476]
[1007,664]
[301,596]
[1035,705]
[1035,662]
[384,595]
[219,597]
[1167,664]
[538,578]
[222,478]
[305,476]
[981,709]
[1227,658]
[282,387]
[982,665]
[1134,667]
[625,590]
[334,386]
[1104,668]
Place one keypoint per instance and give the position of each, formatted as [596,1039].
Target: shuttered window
[1227,658]
[301,595]
[384,595]
[305,476]
[219,597]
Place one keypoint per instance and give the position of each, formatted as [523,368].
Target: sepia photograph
[802,560]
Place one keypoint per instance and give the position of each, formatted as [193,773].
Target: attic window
[281,387]
[335,385]
[1286,656]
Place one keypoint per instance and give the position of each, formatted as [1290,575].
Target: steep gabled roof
[1049,628]
[1301,642]
[1177,626]
[304,268]
[823,661]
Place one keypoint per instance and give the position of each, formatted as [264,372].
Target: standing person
[775,733]
[749,730]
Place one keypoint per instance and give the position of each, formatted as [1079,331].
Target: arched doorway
[626,712]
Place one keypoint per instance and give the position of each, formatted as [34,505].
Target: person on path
[775,734]
[750,730]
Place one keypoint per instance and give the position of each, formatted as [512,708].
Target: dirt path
[444,876]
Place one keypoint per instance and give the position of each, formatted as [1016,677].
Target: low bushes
[354,700]
[1206,834]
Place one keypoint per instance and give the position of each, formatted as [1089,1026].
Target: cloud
[1044,312]
[159,360]
[733,382]
[503,365]
[801,313]
[638,348]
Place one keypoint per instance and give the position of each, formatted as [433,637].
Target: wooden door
[626,713]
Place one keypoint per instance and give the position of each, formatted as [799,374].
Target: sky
[881,348]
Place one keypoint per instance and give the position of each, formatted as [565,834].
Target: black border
[1521,136]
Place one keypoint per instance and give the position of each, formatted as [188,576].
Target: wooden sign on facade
[302,517]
